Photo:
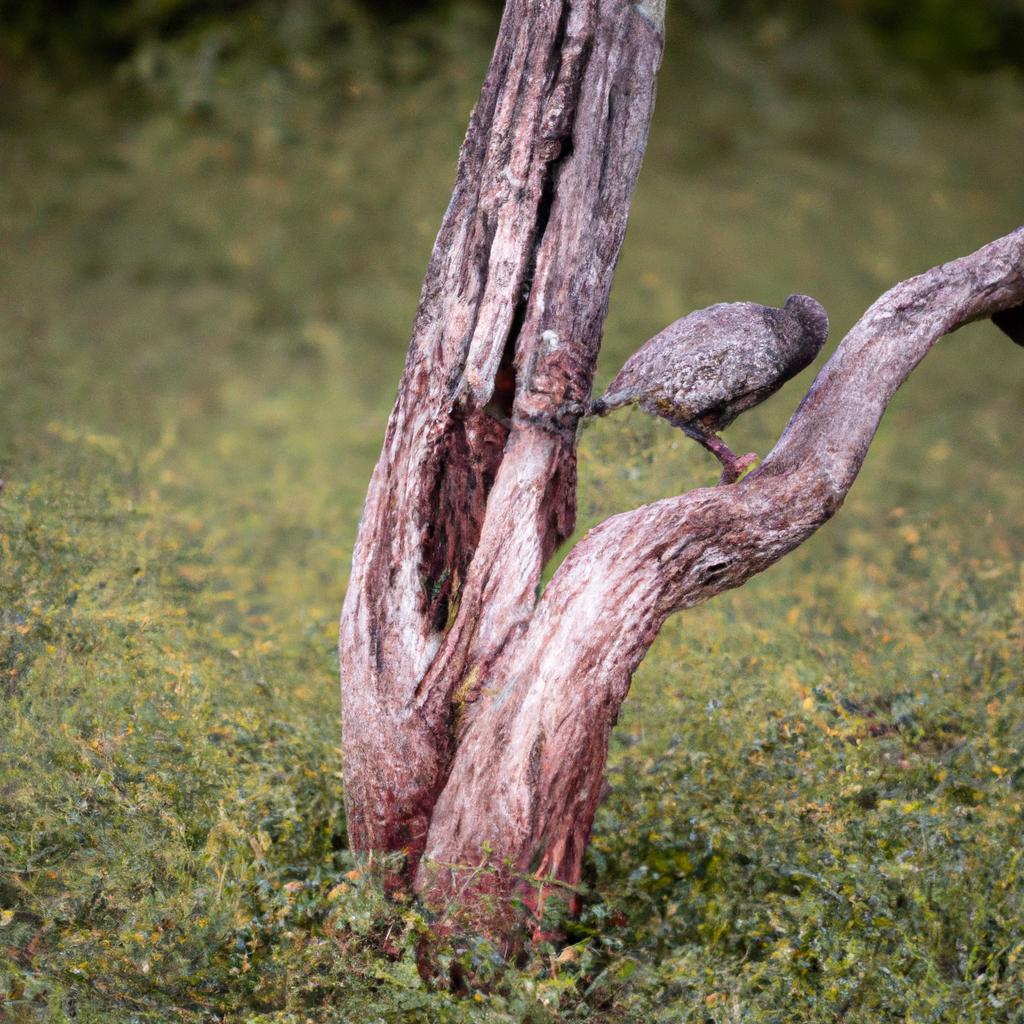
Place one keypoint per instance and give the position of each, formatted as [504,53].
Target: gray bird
[702,371]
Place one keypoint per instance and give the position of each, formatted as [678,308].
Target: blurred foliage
[941,36]
[205,299]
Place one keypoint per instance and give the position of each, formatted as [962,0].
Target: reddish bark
[464,510]
[477,716]
[525,780]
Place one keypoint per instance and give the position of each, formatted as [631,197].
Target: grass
[816,800]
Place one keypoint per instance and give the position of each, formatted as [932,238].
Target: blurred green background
[942,35]
[214,220]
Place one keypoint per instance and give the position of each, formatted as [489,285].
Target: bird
[702,371]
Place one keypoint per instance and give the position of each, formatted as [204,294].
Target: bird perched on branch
[702,371]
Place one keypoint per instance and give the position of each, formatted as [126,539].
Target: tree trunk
[477,716]
[476,484]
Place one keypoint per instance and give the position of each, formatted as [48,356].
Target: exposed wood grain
[476,482]
[525,781]
[476,716]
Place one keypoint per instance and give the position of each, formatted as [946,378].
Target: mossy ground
[818,782]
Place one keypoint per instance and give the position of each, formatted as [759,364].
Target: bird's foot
[735,467]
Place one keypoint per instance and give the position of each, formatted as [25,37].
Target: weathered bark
[476,483]
[524,784]
[477,716]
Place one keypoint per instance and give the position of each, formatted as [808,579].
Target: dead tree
[476,714]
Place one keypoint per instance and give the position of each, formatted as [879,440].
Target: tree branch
[525,780]
[476,482]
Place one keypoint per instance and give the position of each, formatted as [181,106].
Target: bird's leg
[733,466]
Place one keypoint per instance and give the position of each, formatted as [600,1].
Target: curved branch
[540,729]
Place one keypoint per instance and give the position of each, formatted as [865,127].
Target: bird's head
[805,326]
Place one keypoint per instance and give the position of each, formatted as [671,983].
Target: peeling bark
[466,506]
[559,689]
[477,716]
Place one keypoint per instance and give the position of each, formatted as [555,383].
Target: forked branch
[477,717]
[526,777]
[476,483]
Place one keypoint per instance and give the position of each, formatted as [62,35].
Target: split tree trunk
[477,716]
[477,481]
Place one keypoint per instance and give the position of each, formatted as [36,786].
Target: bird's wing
[732,350]
[686,351]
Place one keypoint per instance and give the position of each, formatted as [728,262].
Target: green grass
[816,801]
